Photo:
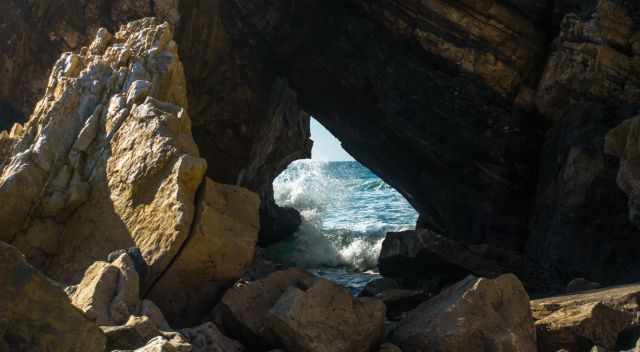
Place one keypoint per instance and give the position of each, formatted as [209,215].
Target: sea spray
[347,211]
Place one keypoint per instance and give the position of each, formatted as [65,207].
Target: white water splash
[347,211]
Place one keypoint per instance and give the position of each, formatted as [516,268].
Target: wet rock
[398,301]
[577,322]
[207,338]
[244,308]
[262,267]
[378,286]
[495,313]
[219,250]
[36,313]
[581,284]
[325,317]
[277,223]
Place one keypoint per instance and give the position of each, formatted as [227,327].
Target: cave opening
[346,212]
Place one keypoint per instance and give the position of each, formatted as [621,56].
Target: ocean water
[347,211]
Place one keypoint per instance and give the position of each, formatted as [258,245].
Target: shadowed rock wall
[489,116]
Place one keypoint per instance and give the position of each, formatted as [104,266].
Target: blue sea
[347,211]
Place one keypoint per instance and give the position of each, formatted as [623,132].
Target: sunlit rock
[326,318]
[219,250]
[104,161]
[475,314]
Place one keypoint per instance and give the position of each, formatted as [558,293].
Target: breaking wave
[347,211]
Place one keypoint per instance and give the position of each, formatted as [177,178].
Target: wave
[347,211]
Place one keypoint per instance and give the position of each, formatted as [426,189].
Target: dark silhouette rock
[580,284]
[36,313]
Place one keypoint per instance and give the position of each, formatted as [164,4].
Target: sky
[326,147]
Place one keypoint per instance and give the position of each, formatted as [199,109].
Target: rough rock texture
[106,158]
[246,118]
[219,250]
[427,260]
[577,322]
[325,317]
[472,315]
[134,334]
[35,313]
[109,293]
[207,338]
[243,309]
[33,35]
[448,101]
[175,343]
[622,142]
[589,86]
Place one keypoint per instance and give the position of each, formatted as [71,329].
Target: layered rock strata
[108,158]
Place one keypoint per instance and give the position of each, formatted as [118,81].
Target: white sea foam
[347,211]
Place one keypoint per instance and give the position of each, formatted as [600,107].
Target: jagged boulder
[326,318]
[476,314]
[219,250]
[106,158]
[244,308]
[35,313]
[109,293]
[579,321]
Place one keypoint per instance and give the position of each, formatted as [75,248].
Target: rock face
[578,322]
[36,313]
[427,260]
[588,88]
[221,247]
[207,338]
[109,293]
[472,315]
[392,79]
[622,143]
[106,158]
[246,118]
[243,309]
[488,116]
[325,317]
